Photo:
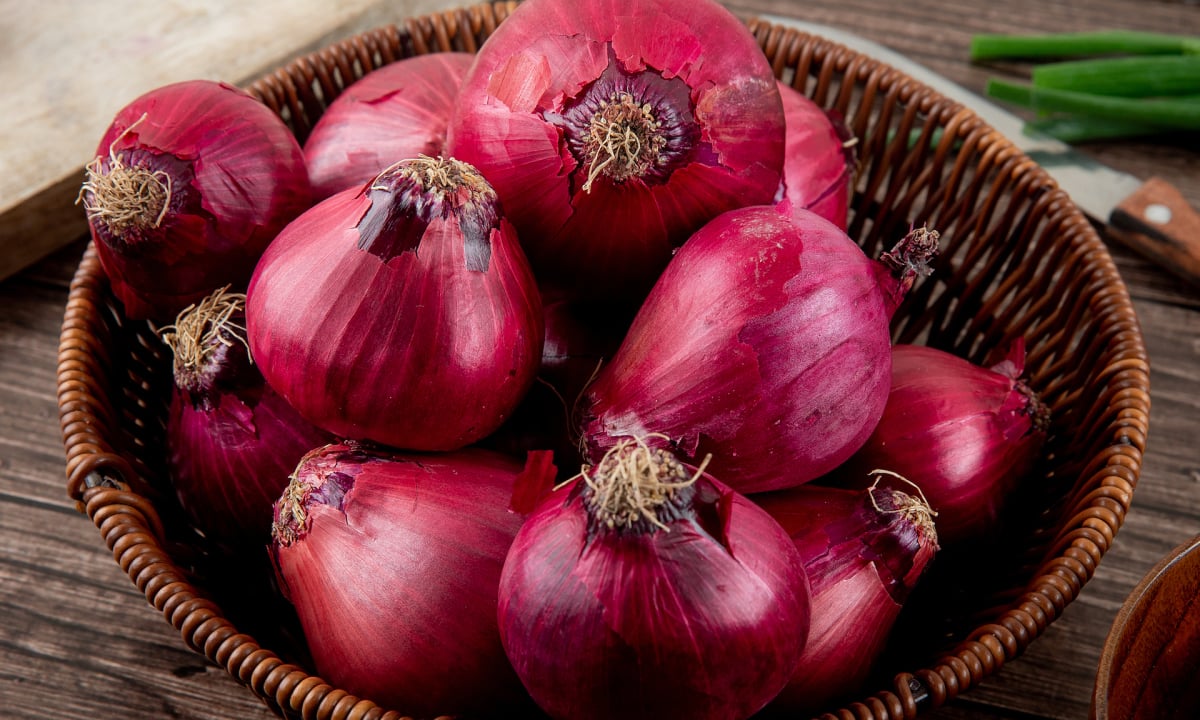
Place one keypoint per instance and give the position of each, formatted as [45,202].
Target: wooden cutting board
[67,67]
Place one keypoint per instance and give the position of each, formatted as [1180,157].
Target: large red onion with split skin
[190,183]
[648,589]
[864,552]
[613,130]
[232,441]
[819,158]
[765,343]
[393,562]
[403,313]
[394,112]
[966,434]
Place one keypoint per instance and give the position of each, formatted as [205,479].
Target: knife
[1151,217]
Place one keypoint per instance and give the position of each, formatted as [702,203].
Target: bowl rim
[1110,663]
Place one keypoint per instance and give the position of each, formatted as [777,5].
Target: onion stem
[1182,113]
[1081,44]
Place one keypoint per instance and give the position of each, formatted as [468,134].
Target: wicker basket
[1018,260]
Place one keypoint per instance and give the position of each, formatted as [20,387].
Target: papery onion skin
[535,94]
[231,440]
[967,434]
[228,176]
[394,112]
[819,159]
[864,552]
[703,619]
[425,340]
[765,343]
[392,562]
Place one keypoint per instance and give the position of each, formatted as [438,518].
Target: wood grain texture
[1157,222]
[78,641]
[1148,665]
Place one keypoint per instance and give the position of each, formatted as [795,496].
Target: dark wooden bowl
[1150,664]
[1018,260]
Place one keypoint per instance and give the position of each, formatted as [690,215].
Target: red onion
[864,551]
[190,183]
[393,563]
[818,160]
[403,313]
[648,589]
[765,343]
[397,111]
[965,433]
[231,440]
[613,130]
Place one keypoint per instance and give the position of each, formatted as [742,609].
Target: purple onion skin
[230,457]
[705,621]
[965,433]
[237,177]
[765,343]
[863,559]
[529,103]
[817,165]
[397,111]
[232,441]
[394,575]
[426,340]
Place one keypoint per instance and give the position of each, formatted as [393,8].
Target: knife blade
[1151,217]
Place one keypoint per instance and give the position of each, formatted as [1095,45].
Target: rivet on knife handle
[1157,222]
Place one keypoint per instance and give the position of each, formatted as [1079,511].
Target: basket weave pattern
[1018,260]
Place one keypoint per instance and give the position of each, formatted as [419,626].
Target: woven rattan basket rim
[103,481]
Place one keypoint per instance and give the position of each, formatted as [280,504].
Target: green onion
[1110,42]
[1078,129]
[1181,112]
[1126,77]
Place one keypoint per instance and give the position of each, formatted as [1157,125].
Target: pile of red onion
[550,375]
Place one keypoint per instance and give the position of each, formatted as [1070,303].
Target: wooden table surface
[77,640]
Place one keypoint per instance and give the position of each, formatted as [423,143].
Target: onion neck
[323,477]
[208,342]
[406,197]
[908,260]
[1038,411]
[639,489]
[915,510]
[903,536]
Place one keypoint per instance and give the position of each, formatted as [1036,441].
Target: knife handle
[1157,222]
